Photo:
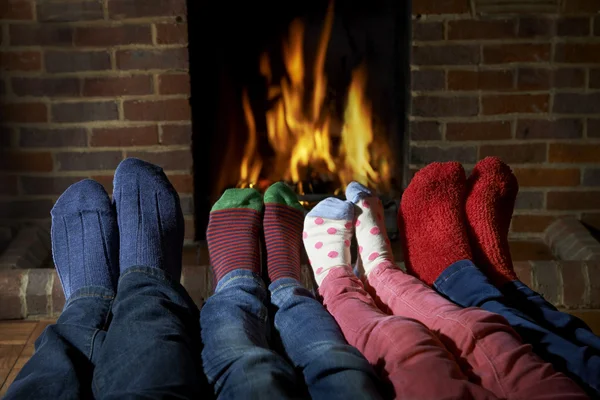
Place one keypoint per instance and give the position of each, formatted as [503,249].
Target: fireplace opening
[309,92]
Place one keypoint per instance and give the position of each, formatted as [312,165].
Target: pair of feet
[94,240]
[444,218]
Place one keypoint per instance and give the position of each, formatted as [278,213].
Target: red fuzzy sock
[431,220]
[491,192]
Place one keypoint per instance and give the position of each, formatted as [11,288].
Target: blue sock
[149,217]
[355,191]
[85,239]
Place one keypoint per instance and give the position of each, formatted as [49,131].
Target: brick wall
[85,84]
[525,88]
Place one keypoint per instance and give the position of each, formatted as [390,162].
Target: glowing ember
[300,134]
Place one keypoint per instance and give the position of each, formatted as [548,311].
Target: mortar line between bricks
[49,286]
[23,292]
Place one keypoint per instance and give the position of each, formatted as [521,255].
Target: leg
[310,336]
[151,348]
[488,350]
[85,248]
[237,358]
[404,351]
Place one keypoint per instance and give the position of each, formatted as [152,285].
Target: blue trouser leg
[152,347]
[464,284]
[237,358]
[315,345]
[536,307]
[66,352]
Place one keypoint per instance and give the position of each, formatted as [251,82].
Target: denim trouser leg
[536,307]
[236,356]
[315,344]
[66,352]
[152,347]
[466,285]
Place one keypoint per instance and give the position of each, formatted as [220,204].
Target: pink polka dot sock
[327,234]
[373,243]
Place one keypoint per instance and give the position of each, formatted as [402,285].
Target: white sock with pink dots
[373,243]
[327,234]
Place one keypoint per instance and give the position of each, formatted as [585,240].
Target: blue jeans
[239,354]
[557,337]
[143,342]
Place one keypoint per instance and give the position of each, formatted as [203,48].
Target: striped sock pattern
[283,236]
[232,238]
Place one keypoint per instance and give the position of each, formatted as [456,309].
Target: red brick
[23,112]
[159,110]
[26,209]
[547,279]
[429,154]
[588,200]
[176,134]
[16,10]
[581,6]
[44,185]
[515,103]
[190,229]
[85,111]
[533,27]
[104,36]
[172,33]
[37,298]
[119,9]
[549,129]
[440,7]
[578,53]
[480,80]
[540,177]
[106,181]
[592,220]
[516,153]
[593,128]
[534,79]
[427,31]
[445,55]
[182,183]
[20,61]
[573,283]
[174,84]
[428,80]
[509,53]
[523,271]
[434,106]
[574,153]
[577,103]
[26,162]
[168,160]
[10,294]
[531,223]
[573,27]
[88,161]
[118,86]
[69,11]
[9,185]
[65,137]
[490,130]
[153,59]
[595,78]
[489,29]
[58,295]
[40,35]
[69,61]
[569,78]
[125,136]
[425,130]
[46,87]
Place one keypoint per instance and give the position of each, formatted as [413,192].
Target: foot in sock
[149,217]
[327,234]
[491,192]
[85,238]
[373,243]
[432,222]
[282,225]
[233,231]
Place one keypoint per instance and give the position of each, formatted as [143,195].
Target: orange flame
[302,140]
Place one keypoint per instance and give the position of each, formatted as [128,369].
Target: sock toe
[355,191]
[281,193]
[239,198]
[86,195]
[333,208]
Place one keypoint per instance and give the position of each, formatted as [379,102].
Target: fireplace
[309,92]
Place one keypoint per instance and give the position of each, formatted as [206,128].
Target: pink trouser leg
[484,344]
[403,350]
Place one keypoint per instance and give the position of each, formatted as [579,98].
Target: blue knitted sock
[85,239]
[149,217]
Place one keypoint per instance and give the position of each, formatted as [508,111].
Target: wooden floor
[18,337]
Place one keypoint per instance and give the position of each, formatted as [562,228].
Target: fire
[301,134]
